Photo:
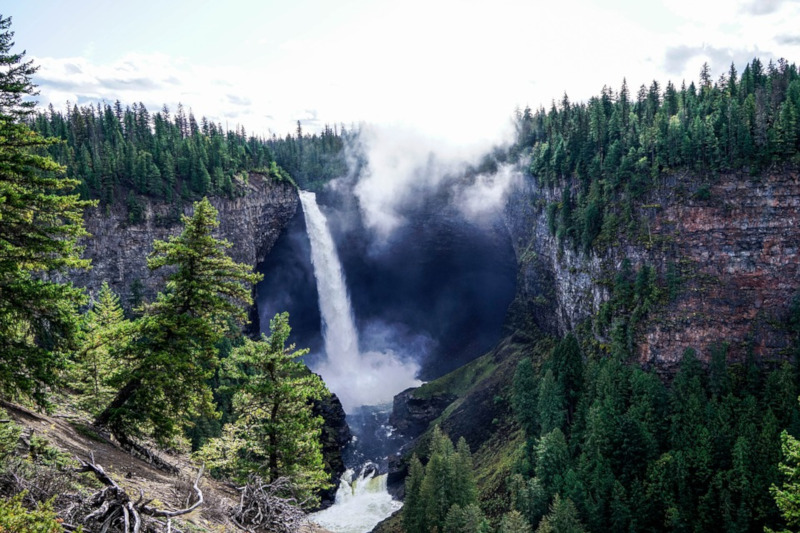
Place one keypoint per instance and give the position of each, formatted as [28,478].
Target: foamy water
[361,503]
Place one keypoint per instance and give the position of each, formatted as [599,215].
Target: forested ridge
[126,154]
[607,152]
[605,444]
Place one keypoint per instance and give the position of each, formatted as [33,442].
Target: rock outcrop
[335,436]
[735,247]
[411,415]
[119,249]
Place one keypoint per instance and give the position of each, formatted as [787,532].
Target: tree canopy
[40,226]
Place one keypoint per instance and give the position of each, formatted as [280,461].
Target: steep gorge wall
[736,249]
[119,250]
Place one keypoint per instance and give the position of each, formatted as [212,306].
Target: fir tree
[275,433]
[105,333]
[40,225]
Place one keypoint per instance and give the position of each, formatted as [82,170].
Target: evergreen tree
[563,518]
[413,505]
[787,496]
[444,483]
[468,519]
[275,433]
[40,225]
[514,522]
[174,347]
[104,329]
[438,491]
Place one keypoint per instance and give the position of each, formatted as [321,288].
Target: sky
[453,69]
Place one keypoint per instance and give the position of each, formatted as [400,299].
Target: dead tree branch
[114,508]
[263,508]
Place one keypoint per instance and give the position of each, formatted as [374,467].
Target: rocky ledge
[118,249]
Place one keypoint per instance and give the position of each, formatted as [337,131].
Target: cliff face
[736,249]
[119,250]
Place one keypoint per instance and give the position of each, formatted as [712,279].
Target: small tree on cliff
[104,334]
[174,350]
[40,224]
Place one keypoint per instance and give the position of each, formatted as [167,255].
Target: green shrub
[9,434]
[15,518]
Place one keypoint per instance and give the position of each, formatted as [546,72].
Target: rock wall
[119,250]
[736,249]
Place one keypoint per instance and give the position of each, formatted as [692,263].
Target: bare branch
[169,514]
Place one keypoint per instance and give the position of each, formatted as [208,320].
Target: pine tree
[469,519]
[40,225]
[445,482]
[174,348]
[787,496]
[563,518]
[437,488]
[104,330]
[413,506]
[276,430]
[514,522]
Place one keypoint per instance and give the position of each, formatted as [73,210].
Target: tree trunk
[122,396]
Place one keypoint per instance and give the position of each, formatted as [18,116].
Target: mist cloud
[762,7]
[373,378]
[405,168]
[488,194]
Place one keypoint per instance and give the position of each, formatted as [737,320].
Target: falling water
[358,379]
[368,378]
[338,326]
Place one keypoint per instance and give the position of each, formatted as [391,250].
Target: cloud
[487,195]
[133,84]
[678,58]
[402,167]
[762,7]
[238,100]
[791,40]
[229,95]
[72,68]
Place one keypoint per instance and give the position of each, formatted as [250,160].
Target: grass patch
[88,432]
[494,462]
[459,381]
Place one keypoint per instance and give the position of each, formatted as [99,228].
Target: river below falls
[362,498]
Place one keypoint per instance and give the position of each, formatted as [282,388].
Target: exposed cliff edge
[733,246]
[119,249]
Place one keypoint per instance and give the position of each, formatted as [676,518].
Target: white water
[369,378]
[360,505]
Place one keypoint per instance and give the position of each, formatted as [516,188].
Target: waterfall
[369,378]
[358,379]
[338,326]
